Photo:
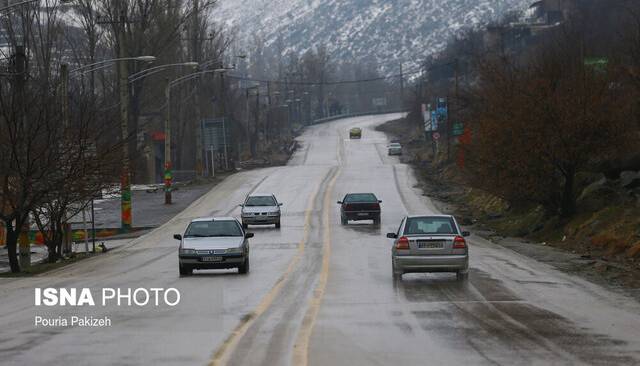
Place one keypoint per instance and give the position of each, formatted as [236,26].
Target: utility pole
[246,109]
[196,58]
[123,74]
[167,145]
[452,108]
[64,75]
[401,87]
[267,124]
[24,246]
[257,123]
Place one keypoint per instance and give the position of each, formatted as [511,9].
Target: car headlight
[276,213]
[187,251]
[235,250]
[247,214]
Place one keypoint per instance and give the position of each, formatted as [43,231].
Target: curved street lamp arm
[152,70]
[144,75]
[100,63]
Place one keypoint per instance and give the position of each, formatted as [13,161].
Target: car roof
[351,193]
[261,195]
[211,218]
[424,216]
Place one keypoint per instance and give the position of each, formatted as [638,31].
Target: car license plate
[430,245]
[363,214]
[211,259]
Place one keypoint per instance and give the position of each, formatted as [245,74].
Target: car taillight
[375,206]
[347,207]
[402,243]
[459,243]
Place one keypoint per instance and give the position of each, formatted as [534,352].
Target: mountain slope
[383,31]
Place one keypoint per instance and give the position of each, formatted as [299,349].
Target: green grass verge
[40,268]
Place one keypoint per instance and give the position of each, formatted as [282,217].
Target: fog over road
[320,293]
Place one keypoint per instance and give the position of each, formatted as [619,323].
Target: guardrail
[350,115]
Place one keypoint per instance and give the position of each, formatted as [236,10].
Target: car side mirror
[177,236]
[248,235]
[280,204]
[392,235]
[466,233]
[241,205]
[339,202]
[379,201]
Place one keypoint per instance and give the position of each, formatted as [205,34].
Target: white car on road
[260,209]
[213,243]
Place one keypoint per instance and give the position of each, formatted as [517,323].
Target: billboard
[215,134]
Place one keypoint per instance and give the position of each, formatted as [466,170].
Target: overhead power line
[309,83]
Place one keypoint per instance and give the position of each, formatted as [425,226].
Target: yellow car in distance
[355,133]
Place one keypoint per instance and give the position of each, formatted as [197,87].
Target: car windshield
[260,201]
[213,228]
[360,197]
[429,225]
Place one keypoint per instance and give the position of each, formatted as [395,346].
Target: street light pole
[167,145]
[168,176]
[123,74]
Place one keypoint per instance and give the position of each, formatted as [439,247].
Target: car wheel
[397,276]
[278,225]
[376,221]
[244,268]
[462,275]
[344,221]
[185,271]
[245,226]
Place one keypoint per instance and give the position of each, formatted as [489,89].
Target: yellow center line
[300,355]
[222,355]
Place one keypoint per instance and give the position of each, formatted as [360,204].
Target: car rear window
[394,145]
[213,228]
[260,201]
[360,197]
[430,225]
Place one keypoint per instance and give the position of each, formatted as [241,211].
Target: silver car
[395,148]
[260,209]
[429,244]
[213,243]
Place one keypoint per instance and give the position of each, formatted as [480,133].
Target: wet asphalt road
[320,293]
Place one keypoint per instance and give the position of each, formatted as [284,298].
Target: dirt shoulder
[600,244]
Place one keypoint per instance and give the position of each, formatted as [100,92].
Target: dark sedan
[360,206]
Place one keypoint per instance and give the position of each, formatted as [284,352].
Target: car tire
[278,225]
[244,268]
[344,221]
[245,226]
[185,271]
[397,276]
[376,220]
[462,275]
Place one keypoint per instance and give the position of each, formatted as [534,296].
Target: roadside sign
[215,133]
[426,118]
[597,63]
[434,121]
[379,102]
[457,129]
